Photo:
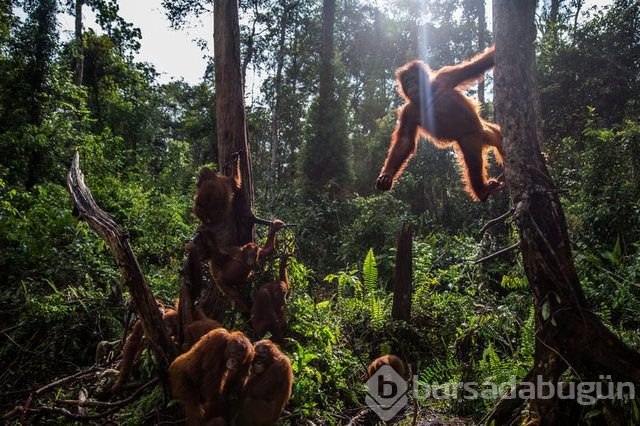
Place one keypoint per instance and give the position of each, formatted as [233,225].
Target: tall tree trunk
[45,41]
[576,16]
[6,18]
[250,47]
[275,118]
[230,112]
[554,10]
[79,69]
[44,18]
[326,86]
[568,333]
[551,29]
[482,43]
[326,158]
[402,280]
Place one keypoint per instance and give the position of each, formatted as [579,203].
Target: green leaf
[546,311]
[323,305]
[617,252]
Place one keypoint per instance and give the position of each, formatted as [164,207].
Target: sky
[174,53]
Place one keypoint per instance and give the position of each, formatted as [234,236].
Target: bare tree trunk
[568,333]
[79,69]
[578,5]
[402,281]
[326,158]
[554,11]
[230,112]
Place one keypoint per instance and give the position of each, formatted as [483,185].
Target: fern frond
[370,273]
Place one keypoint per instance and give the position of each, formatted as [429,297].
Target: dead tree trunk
[402,281]
[230,112]
[118,241]
[568,334]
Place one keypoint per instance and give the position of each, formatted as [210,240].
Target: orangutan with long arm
[436,106]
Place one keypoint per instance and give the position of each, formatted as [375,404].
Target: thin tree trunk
[554,11]
[45,40]
[250,48]
[551,28]
[230,112]
[568,333]
[325,87]
[275,119]
[482,43]
[578,5]
[326,159]
[79,71]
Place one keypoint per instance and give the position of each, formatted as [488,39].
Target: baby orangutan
[231,267]
[391,360]
[268,389]
[267,312]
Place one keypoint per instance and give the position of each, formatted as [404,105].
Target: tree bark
[275,118]
[79,68]
[551,28]
[45,40]
[326,86]
[568,333]
[554,11]
[402,281]
[118,241]
[326,156]
[230,112]
[482,43]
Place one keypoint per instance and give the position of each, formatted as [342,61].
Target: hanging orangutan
[437,107]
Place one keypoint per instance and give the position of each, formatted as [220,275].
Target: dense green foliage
[141,144]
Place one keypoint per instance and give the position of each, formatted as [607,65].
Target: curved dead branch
[117,239]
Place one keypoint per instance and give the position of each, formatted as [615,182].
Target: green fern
[439,372]
[346,281]
[491,364]
[378,318]
[606,313]
[527,338]
[370,273]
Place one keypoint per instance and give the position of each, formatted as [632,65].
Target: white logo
[386,393]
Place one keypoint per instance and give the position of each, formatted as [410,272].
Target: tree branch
[118,241]
[497,220]
[499,253]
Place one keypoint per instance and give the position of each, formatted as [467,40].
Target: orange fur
[391,360]
[135,343]
[268,389]
[231,267]
[202,378]
[267,312]
[436,107]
